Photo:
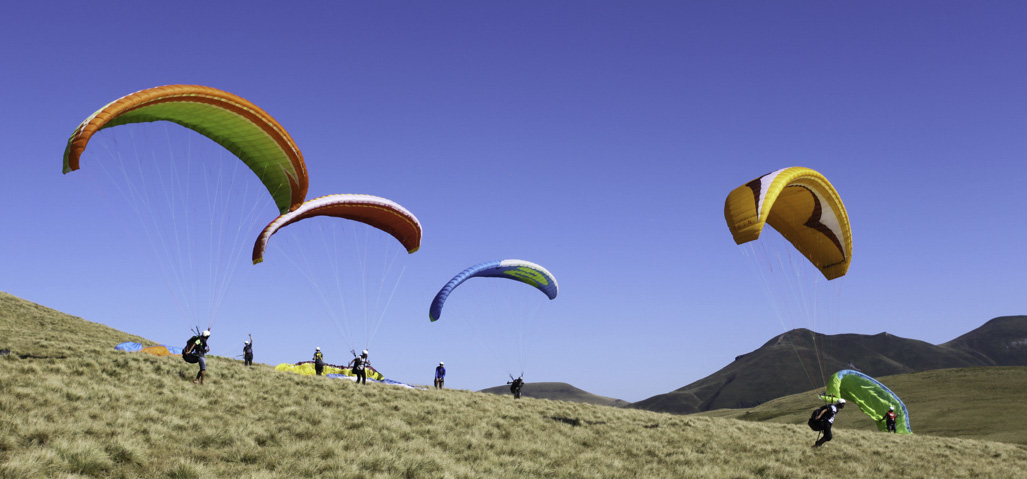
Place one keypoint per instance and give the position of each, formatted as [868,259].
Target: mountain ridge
[772,371]
[559,391]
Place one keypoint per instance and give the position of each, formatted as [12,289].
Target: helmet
[206,333]
[891,408]
[841,402]
[364,353]
[317,348]
[441,363]
[246,342]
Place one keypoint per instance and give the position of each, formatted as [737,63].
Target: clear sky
[598,139]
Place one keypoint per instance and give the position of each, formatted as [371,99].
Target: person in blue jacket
[440,375]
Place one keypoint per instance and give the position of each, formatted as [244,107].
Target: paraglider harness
[189,353]
[516,385]
[817,422]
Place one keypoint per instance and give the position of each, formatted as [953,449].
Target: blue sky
[598,139]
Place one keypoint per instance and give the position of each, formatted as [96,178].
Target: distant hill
[1000,342]
[559,392]
[774,371]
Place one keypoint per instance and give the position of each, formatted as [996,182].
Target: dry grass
[86,411]
[970,403]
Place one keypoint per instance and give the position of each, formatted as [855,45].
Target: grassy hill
[558,392]
[979,403]
[777,368]
[72,407]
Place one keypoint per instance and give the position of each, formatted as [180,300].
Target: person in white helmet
[889,419]
[440,375]
[319,361]
[358,366]
[247,352]
[198,348]
[826,417]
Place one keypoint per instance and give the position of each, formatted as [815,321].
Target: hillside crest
[776,369]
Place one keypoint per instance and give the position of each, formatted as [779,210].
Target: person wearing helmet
[827,419]
[440,375]
[319,361]
[247,352]
[358,364]
[199,349]
[889,419]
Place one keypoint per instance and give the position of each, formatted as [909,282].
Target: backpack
[188,354]
[817,424]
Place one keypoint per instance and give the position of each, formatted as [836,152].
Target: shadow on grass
[575,421]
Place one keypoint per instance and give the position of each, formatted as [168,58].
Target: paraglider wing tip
[414,249]
[258,260]
[69,165]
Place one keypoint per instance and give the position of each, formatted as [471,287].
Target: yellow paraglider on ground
[306,368]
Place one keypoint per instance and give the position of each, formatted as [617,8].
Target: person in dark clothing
[515,387]
[440,375]
[247,352]
[319,361]
[889,419]
[199,348]
[358,366]
[826,418]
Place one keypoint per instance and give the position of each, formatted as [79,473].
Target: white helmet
[246,342]
[441,363]
[841,401]
[206,333]
[364,353]
[891,408]
[317,348]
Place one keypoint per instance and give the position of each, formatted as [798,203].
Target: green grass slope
[29,330]
[558,392]
[980,403]
[69,409]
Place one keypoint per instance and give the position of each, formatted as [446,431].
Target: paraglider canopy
[380,213]
[229,120]
[515,269]
[872,397]
[801,205]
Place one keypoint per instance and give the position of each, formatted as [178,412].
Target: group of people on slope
[197,347]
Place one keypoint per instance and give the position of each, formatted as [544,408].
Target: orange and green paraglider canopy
[229,120]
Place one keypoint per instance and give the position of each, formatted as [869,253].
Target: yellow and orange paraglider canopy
[801,205]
